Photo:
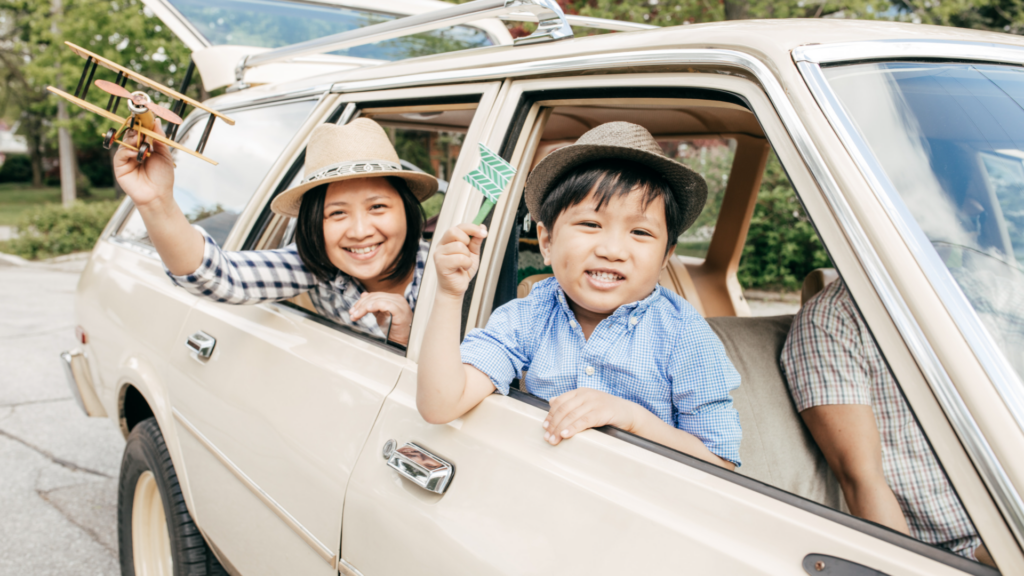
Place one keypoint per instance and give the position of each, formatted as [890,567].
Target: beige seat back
[675,277]
[777,448]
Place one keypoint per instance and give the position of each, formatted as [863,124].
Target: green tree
[33,57]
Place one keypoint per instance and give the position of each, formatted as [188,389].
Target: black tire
[143,151]
[108,138]
[147,452]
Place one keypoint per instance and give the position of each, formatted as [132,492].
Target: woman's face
[364,226]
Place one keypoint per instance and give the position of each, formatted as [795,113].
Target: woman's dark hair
[612,178]
[309,233]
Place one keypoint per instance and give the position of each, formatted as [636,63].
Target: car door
[606,502]
[275,419]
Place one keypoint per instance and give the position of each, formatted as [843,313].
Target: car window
[213,196]
[272,24]
[427,139]
[795,334]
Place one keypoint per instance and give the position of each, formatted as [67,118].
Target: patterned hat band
[357,167]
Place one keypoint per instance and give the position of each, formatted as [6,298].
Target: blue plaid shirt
[658,353]
[253,276]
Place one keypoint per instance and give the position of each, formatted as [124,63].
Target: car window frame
[347,107]
[515,140]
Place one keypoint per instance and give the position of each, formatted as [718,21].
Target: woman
[358,249]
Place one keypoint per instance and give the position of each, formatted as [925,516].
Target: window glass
[711,158]
[213,196]
[950,139]
[272,24]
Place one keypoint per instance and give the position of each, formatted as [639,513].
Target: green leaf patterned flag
[491,178]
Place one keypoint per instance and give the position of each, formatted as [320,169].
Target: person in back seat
[853,407]
[601,340]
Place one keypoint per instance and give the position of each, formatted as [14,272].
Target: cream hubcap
[151,545]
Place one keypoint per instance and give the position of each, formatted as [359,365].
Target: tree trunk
[735,9]
[32,135]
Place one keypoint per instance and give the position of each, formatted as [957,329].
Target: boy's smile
[604,258]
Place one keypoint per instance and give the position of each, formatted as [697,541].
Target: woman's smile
[363,252]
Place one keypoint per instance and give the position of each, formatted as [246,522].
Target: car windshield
[950,140]
[272,24]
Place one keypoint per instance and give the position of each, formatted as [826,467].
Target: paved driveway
[58,468]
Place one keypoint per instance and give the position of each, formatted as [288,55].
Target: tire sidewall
[142,453]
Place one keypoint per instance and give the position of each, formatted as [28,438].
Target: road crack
[29,402]
[55,459]
[45,495]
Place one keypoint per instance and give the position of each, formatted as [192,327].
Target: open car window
[748,187]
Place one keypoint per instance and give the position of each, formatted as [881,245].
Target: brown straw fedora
[359,149]
[628,142]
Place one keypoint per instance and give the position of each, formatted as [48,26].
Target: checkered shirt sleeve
[247,277]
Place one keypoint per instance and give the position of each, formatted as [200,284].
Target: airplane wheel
[143,152]
[108,138]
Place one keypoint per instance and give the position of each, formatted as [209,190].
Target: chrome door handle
[201,343]
[421,467]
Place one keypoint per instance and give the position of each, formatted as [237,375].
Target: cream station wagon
[266,439]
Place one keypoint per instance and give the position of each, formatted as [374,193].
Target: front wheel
[143,152]
[108,138]
[156,534]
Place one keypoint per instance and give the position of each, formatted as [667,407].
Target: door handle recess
[201,343]
[421,467]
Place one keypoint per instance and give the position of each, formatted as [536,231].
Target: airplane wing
[145,81]
[97,110]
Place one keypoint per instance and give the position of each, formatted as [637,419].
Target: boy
[601,341]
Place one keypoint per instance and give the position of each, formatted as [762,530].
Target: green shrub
[51,230]
[782,246]
[16,168]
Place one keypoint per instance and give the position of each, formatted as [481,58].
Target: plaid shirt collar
[345,284]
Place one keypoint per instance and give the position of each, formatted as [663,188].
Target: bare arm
[848,437]
[445,387]
[584,408]
[150,186]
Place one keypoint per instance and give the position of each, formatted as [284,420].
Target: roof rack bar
[552,24]
[606,24]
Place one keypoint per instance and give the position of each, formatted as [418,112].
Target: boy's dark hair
[309,233]
[612,177]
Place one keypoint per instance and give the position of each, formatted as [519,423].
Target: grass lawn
[18,198]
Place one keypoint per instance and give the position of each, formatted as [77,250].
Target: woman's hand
[384,305]
[147,181]
[584,408]
[458,257]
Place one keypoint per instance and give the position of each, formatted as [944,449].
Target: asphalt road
[58,468]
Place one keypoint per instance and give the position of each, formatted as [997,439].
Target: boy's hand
[583,408]
[150,180]
[382,305]
[458,257]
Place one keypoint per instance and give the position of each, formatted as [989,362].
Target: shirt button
[633,321]
[590,370]
[572,323]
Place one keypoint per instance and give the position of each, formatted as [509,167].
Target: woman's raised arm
[150,185]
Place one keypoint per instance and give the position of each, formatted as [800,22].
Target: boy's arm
[445,387]
[584,408]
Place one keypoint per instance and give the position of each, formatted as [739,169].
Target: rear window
[272,24]
[213,196]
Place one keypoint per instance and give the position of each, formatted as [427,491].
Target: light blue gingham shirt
[658,353]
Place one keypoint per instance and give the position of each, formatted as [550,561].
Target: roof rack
[552,24]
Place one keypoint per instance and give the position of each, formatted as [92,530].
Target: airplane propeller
[121,92]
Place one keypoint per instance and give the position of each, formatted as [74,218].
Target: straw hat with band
[359,149]
[627,142]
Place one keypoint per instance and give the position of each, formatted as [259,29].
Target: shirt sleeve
[822,358]
[246,277]
[498,350]
[702,377]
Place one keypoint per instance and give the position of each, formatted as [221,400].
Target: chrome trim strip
[606,24]
[897,49]
[995,365]
[288,519]
[964,424]
[347,569]
[144,249]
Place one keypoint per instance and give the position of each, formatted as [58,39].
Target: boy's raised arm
[446,388]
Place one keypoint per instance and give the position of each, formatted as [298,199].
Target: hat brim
[687,185]
[287,203]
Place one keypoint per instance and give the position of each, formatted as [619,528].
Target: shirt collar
[342,281]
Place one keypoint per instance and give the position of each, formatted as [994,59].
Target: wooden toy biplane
[143,112]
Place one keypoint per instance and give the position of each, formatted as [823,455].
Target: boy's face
[609,257]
